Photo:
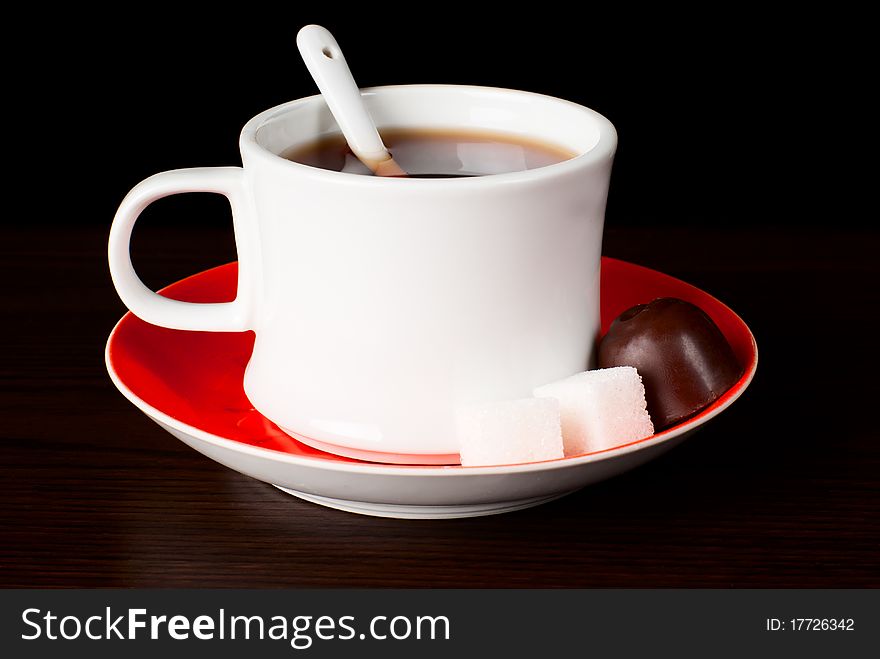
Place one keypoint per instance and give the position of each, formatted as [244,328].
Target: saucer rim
[387,469]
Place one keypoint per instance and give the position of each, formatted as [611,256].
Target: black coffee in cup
[436,153]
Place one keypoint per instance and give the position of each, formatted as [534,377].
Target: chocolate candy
[683,358]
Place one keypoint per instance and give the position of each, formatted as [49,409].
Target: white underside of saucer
[407,492]
[422,512]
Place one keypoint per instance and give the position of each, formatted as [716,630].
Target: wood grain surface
[780,491]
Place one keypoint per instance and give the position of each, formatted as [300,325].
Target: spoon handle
[326,64]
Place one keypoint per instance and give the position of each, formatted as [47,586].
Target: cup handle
[232,316]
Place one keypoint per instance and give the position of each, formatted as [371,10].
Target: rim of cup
[602,150]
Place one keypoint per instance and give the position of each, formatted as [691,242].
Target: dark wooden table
[780,491]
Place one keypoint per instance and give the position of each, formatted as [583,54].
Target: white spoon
[326,63]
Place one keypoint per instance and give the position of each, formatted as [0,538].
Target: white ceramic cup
[380,305]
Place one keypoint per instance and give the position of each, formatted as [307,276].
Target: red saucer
[196,377]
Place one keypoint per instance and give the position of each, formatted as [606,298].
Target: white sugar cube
[600,409]
[509,432]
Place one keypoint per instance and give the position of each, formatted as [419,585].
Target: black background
[734,118]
